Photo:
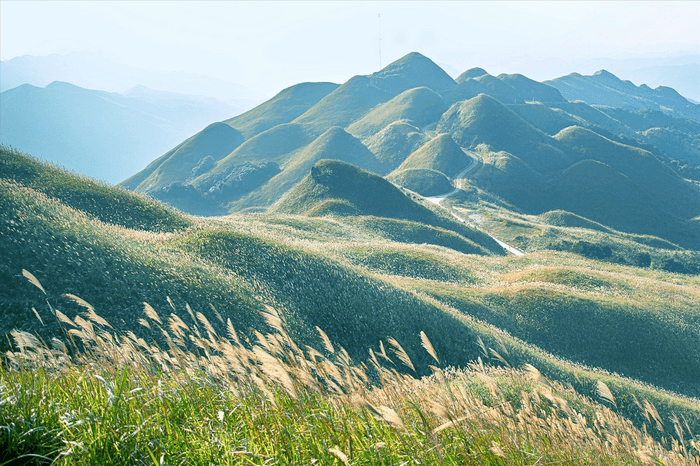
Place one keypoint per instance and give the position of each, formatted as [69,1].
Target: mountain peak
[471,73]
[412,70]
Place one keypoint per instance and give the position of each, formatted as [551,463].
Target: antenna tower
[380,41]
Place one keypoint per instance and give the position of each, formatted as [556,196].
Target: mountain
[416,134]
[441,154]
[419,106]
[183,162]
[485,120]
[683,78]
[282,108]
[91,71]
[104,135]
[604,88]
[531,90]
[424,181]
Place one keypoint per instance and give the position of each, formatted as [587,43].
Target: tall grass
[99,397]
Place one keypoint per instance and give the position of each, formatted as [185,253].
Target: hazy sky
[267,46]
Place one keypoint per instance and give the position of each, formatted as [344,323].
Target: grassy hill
[345,105]
[177,165]
[677,196]
[369,193]
[334,143]
[484,120]
[547,119]
[604,88]
[396,142]
[424,181]
[419,106]
[361,278]
[411,71]
[530,90]
[441,154]
[108,204]
[282,108]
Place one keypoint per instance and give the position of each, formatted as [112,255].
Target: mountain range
[622,155]
[102,134]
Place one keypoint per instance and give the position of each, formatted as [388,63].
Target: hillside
[485,120]
[387,266]
[367,193]
[282,108]
[424,181]
[441,154]
[419,106]
[185,161]
[410,119]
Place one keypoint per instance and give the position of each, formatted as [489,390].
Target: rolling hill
[359,277]
[441,154]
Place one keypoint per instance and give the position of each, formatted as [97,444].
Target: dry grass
[304,406]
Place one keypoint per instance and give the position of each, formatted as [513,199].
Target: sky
[267,46]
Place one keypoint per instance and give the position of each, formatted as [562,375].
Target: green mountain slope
[334,143]
[530,90]
[287,105]
[419,106]
[369,193]
[361,279]
[484,119]
[441,154]
[546,119]
[677,196]
[423,181]
[396,142]
[108,204]
[411,71]
[345,105]
[216,141]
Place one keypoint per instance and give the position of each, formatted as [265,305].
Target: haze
[267,46]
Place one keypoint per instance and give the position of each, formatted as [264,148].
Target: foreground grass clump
[102,398]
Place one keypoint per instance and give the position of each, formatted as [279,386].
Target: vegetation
[141,335]
[230,400]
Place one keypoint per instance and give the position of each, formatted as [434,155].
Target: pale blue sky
[270,45]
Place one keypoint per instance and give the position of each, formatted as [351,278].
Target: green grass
[396,142]
[287,105]
[126,401]
[216,140]
[485,120]
[362,279]
[441,154]
[106,203]
[420,106]
[423,181]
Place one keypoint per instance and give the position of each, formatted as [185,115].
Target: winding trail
[460,176]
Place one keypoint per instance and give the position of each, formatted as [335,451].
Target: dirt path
[438,199]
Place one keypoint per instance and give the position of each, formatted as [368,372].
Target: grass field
[225,365]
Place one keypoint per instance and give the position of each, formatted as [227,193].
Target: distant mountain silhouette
[604,88]
[101,134]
